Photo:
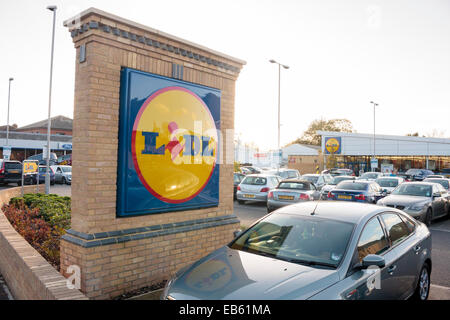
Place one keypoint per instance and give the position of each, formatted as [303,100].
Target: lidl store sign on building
[168,145]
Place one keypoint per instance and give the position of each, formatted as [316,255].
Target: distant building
[59,125]
[304,158]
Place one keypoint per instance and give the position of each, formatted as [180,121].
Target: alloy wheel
[424,284]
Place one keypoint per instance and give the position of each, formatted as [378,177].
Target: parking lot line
[439,229]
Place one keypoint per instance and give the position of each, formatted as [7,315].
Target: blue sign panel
[333,145]
[168,145]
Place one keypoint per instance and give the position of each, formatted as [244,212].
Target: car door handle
[391,269]
[417,249]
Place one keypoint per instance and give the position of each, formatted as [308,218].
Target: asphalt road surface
[440,231]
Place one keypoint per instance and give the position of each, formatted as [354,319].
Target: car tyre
[428,217]
[63,181]
[241,201]
[269,209]
[423,285]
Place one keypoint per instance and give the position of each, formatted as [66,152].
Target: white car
[63,174]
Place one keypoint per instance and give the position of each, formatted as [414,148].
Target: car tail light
[304,197]
[360,197]
[238,188]
[264,189]
[330,195]
[2,169]
[270,196]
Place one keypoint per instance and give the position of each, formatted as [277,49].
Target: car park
[250,170]
[291,191]
[285,173]
[42,172]
[331,185]
[63,174]
[256,187]
[418,174]
[319,180]
[10,172]
[237,179]
[341,172]
[442,181]
[388,184]
[318,251]
[370,176]
[424,201]
[358,191]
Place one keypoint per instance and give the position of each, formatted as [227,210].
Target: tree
[311,137]
[415,134]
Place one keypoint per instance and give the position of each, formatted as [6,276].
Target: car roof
[296,180]
[263,175]
[312,174]
[344,211]
[389,177]
[421,183]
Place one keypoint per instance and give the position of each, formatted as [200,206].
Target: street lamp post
[279,92]
[374,105]
[7,121]
[47,170]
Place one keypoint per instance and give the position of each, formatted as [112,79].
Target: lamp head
[272,61]
[52,8]
[286,67]
[11,79]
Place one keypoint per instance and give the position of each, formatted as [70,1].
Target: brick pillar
[121,254]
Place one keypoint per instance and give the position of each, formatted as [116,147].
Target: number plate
[249,195]
[286,197]
[14,171]
[344,197]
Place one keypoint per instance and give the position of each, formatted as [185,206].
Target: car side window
[409,223]
[58,170]
[320,180]
[397,229]
[372,240]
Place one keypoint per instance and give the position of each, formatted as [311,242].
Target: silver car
[63,174]
[256,187]
[370,176]
[425,201]
[316,250]
[388,184]
[319,180]
[291,191]
[285,173]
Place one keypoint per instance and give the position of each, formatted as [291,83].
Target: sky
[341,54]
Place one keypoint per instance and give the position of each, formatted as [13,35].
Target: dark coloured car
[319,180]
[237,179]
[341,172]
[418,174]
[331,185]
[291,191]
[10,172]
[318,251]
[358,190]
[42,171]
[425,201]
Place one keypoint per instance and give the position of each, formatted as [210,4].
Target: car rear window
[443,183]
[312,179]
[387,183]
[352,186]
[259,181]
[294,185]
[13,165]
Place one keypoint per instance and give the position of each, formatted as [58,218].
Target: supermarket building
[355,150]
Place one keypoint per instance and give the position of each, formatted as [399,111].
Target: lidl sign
[168,145]
[333,145]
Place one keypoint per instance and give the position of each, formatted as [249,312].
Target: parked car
[63,174]
[425,201]
[250,170]
[42,171]
[42,160]
[442,181]
[237,179]
[315,251]
[256,187]
[388,184]
[438,176]
[370,176]
[341,172]
[319,180]
[10,172]
[291,191]
[358,190]
[285,173]
[418,174]
[331,185]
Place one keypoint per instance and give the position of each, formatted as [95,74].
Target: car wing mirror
[373,260]
[237,233]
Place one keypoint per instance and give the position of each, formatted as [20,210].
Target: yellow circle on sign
[174,144]
[332,145]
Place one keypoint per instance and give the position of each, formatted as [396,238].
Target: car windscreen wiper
[309,263]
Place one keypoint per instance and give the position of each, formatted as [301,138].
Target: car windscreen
[13,165]
[312,179]
[338,179]
[442,182]
[410,189]
[294,185]
[297,239]
[258,181]
[352,186]
[66,169]
[369,176]
[387,183]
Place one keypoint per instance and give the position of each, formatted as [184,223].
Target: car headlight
[417,207]
[169,283]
